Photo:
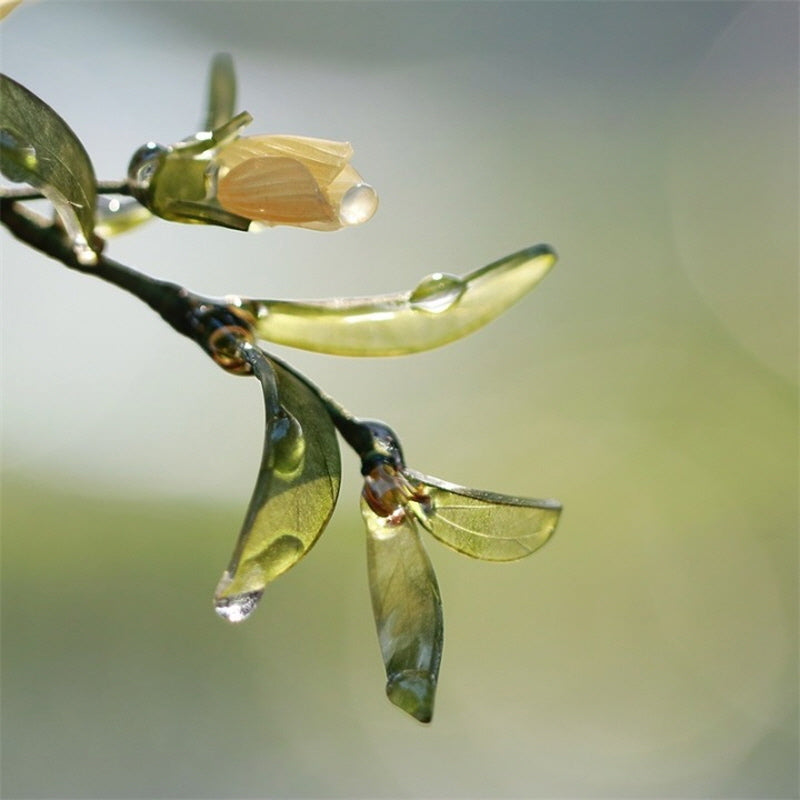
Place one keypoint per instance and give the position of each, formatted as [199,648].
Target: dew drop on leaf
[289,447]
[437,293]
[19,160]
[239,607]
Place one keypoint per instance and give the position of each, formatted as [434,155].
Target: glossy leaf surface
[221,91]
[295,493]
[441,309]
[484,525]
[39,148]
[407,609]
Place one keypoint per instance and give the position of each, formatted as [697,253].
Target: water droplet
[437,293]
[18,168]
[282,554]
[289,447]
[358,204]
[83,252]
[145,164]
[237,608]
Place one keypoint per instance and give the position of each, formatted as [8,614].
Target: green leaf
[407,609]
[37,147]
[221,91]
[484,525]
[295,492]
[441,309]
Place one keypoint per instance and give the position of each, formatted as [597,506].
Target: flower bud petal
[276,190]
[293,180]
[324,158]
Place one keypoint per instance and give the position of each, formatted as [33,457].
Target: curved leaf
[221,91]
[441,309]
[39,148]
[295,492]
[484,525]
[407,609]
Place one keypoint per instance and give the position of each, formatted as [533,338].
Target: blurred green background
[650,650]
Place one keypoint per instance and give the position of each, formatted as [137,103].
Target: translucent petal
[295,493]
[439,310]
[484,525]
[324,158]
[275,190]
[407,609]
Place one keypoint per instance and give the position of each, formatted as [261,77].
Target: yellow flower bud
[219,178]
[293,180]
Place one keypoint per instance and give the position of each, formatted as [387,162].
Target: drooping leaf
[37,147]
[295,492]
[441,309]
[408,611]
[221,91]
[484,525]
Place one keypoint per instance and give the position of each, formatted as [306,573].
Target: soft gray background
[649,383]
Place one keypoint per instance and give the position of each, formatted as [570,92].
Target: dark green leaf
[39,148]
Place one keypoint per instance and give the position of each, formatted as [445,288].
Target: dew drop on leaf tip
[237,608]
[83,253]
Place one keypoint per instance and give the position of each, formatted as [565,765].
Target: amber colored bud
[293,180]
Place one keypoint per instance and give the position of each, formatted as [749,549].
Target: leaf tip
[413,691]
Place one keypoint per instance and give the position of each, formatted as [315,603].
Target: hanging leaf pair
[294,497]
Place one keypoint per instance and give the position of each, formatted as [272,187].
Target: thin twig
[27,193]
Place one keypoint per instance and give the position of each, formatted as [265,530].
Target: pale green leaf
[407,609]
[295,492]
[221,91]
[441,309]
[37,147]
[484,525]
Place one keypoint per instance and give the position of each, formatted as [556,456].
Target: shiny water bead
[145,163]
[239,608]
[437,293]
[288,446]
[359,204]
[24,161]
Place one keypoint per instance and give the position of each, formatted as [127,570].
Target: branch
[195,317]
[102,187]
